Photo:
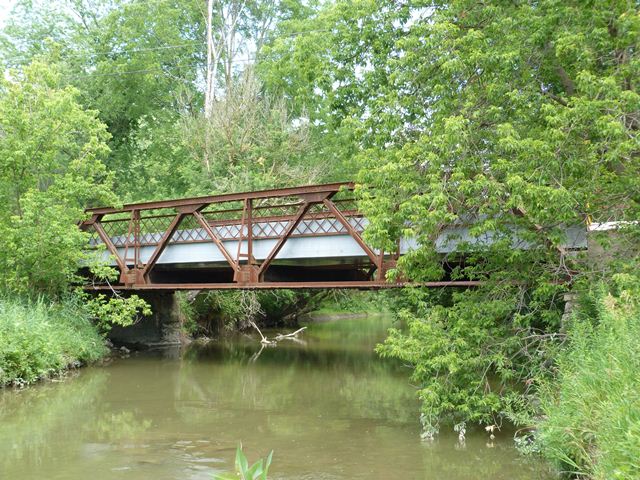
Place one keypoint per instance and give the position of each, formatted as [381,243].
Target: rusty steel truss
[239,219]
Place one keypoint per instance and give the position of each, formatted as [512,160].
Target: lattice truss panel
[269,220]
[125,231]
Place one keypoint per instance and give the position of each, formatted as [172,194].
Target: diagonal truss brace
[97,226]
[293,223]
[205,225]
[162,244]
[375,259]
[308,200]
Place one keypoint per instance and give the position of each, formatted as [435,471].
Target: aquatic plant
[257,471]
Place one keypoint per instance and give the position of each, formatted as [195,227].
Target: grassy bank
[592,413]
[39,339]
[338,303]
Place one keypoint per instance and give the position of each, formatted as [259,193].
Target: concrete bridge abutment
[160,329]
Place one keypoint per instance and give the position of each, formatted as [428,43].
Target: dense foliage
[51,169]
[518,119]
[39,339]
[526,124]
[592,417]
[52,152]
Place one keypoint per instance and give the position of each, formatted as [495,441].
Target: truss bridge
[302,237]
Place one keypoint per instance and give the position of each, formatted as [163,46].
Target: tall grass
[39,339]
[592,425]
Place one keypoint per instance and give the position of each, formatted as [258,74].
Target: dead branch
[280,336]
[264,340]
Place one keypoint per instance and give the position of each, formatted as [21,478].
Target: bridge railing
[317,222]
[238,219]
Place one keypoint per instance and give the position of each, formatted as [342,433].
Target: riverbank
[40,339]
[347,306]
[590,426]
[330,315]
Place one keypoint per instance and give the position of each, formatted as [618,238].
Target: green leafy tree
[141,66]
[331,64]
[51,152]
[248,142]
[135,63]
[51,159]
[518,119]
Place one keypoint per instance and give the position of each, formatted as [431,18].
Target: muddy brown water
[327,406]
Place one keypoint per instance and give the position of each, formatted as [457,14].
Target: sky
[5,8]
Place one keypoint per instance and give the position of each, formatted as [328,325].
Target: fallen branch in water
[291,335]
[265,341]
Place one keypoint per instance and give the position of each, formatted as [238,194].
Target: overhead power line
[150,49]
[137,50]
[148,70]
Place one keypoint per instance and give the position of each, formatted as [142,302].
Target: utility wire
[149,49]
[149,70]
[137,50]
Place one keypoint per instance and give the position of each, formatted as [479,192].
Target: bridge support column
[161,328]
[247,274]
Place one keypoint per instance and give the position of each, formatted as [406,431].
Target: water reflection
[328,407]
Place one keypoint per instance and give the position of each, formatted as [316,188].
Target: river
[327,406]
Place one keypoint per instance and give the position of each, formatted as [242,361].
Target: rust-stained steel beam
[255,208]
[162,244]
[216,240]
[250,259]
[293,223]
[241,230]
[352,231]
[309,199]
[110,246]
[226,197]
[362,285]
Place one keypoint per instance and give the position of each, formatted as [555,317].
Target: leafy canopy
[511,117]
[51,168]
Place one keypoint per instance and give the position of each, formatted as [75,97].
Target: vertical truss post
[246,226]
[239,253]
[251,260]
[249,272]
[136,239]
[132,276]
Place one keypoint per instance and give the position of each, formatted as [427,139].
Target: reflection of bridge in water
[303,237]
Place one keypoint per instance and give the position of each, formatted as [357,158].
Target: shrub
[40,339]
[592,412]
